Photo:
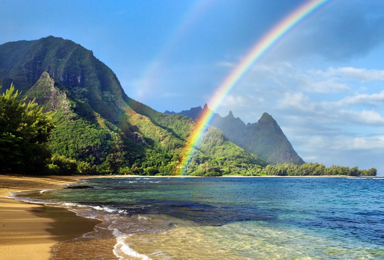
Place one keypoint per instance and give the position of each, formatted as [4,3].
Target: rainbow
[151,74]
[261,47]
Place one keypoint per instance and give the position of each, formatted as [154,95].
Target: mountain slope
[85,77]
[97,123]
[264,138]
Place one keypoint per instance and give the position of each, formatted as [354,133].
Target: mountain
[98,125]
[264,138]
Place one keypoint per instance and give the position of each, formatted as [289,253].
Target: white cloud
[235,101]
[325,86]
[328,112]
[359,143]
[293,91]
[361,117]
[284,75]
[297,101]
[332,80]
[363,99]
[350,73]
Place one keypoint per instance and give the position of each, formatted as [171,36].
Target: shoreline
[234,176]
[29,231]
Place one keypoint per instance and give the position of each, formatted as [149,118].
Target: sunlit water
[226,218]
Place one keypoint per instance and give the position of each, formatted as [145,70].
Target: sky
[323,82]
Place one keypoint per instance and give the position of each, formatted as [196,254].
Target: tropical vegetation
[62,111]
[24,133]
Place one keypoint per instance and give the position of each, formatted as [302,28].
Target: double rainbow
[261,47]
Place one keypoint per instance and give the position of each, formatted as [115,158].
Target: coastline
[230,176]
[28,231]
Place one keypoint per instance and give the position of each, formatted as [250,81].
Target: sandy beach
[28,231]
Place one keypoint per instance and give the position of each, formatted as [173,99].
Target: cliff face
[75,67]
[264,138]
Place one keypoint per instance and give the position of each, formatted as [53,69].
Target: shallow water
[226,218]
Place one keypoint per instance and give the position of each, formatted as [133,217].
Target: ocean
[224,218]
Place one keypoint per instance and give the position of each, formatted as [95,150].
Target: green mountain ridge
[98,125]
[264,139]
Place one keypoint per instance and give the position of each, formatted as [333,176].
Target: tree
[24,133]
[371,172]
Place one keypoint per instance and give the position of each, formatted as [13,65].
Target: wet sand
[28,231]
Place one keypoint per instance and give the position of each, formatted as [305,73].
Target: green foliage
[155,135]
[100,130]
[96,149]
[155,162]
[86,168]
[217,145]
[314,169]
[179,126]
[61,165]
[24,132]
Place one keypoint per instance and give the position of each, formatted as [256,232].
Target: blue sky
[322,82]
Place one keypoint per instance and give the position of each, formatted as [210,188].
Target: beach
[226,218]
[194,218]
[28,231]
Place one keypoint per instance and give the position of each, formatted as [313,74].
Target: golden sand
[28,231]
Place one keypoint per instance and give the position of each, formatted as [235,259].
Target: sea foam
[121,249]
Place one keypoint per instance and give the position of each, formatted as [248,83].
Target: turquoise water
[229,218]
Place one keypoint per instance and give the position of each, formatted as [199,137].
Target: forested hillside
[97,125]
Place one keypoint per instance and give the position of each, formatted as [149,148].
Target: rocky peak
[266,118]
[230,115]
[46,95]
